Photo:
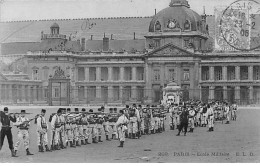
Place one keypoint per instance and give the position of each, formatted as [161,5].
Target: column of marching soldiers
[72,129]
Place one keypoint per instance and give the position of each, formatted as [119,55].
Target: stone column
[179,75]
[200,73]
[211,93]
[237,73]
[10,91]
[237,94]
[121,93]
[251,95]
[162,73]
[86,74]
[86,93]
[110,73]
[98,73]
[76,74]
[148,81]
[225,97]
[98,93]
[134,93]
[35,93]
[250,73]
[224,73]
[211,73]
[110,94]
[134,73]
[122,73]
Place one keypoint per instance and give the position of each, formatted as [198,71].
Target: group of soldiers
[198,114]
[72,129]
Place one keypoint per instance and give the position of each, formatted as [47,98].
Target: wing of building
[123,60]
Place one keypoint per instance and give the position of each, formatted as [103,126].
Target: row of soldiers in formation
[200,114]
[75,128]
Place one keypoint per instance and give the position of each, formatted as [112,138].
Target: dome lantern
[174,3]
[55,29]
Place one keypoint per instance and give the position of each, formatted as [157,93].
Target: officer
[105,124]
[56,129]
[121,127]
[183,121]
[42,130]
[5,119]
[191,118]
[22,124]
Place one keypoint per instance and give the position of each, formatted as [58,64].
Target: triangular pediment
[2,77]
[170,50]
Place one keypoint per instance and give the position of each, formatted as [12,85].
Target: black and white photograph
[129,81]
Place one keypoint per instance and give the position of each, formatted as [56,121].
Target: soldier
[112,123]
[204,116]
[152,122]
[69,128]
[226,112]
[141,119]
[147,119]
[86,131]
[56,130]
[100,122]
[179,111]
[210,114]
[5,119]
[81,137]
[191,118]
[183,121]
[22,124]
[92,126]
[62,131]
[132,124]
[105,124]
[42,128]
[78,127]
[126,111]
[234,111]
[172,111]
[121,127]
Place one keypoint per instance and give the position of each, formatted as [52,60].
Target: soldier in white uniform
[56,129]
[191,118]
[226,113]
[121,127]
[106,126]
[210,114]
[42,129]
[22,124]
[100,122]
[172,118]
[69,128]
[92,126]
[204,116]
[62,132]
[86,130]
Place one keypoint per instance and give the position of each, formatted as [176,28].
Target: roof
[55,25]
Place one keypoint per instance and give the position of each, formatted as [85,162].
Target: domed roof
[178,15]
[55,25]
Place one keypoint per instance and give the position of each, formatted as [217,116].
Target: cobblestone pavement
[235,142]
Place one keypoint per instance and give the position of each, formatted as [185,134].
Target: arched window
[158,26]
[187,25]
[35,73]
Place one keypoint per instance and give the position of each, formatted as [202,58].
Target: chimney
[91,37]
[111,37]
[155,11]
[83,44]
[105,44]
[134,35]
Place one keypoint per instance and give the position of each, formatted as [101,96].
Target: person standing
[5,119]
[86,132]
[226,112]
[92,120]
[121,125]
[191,118]
[56,129]
[210,113]
[106,126]
[183,121]
[42,129]
[23,124]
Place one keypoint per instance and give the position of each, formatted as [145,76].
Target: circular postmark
[240,25]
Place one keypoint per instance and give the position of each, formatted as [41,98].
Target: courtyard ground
[229,143]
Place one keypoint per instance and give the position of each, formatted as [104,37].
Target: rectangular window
[256,72]
[171,76]
[35,74]
[46,93]
[156,73]
[56,92]
[186,74]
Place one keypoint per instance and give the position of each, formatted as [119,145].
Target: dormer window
[158,26]
[187,25]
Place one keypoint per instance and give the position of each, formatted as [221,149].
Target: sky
[17,10]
